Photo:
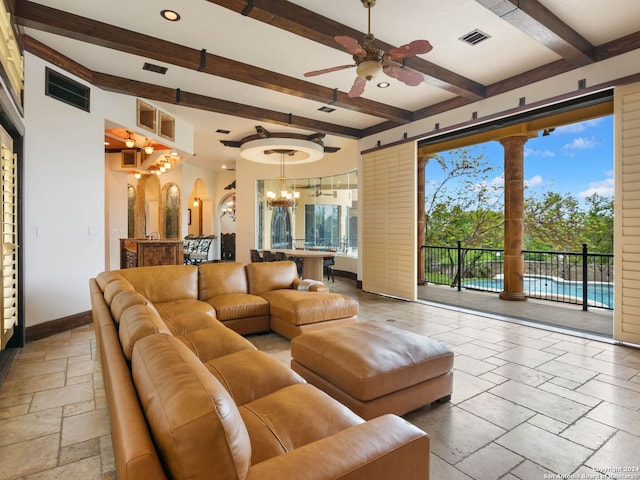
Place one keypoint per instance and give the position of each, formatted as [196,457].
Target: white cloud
[534,152]
[580,143]
[603,188]
[534,181]
[496,182]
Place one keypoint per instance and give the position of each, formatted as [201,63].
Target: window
[322,226]
[326,214]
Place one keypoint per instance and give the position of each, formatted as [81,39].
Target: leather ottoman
[374,368]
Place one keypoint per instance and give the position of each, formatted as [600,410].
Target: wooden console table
[137,252]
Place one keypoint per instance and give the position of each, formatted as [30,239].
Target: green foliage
[553,221]
[598,224]
[469,213]
[473,212]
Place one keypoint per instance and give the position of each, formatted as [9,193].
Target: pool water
[599,294]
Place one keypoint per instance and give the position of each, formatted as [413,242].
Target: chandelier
[230,209]
[288,197]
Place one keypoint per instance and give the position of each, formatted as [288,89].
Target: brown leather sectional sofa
[190,398]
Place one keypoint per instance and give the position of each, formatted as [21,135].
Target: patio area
[595,322]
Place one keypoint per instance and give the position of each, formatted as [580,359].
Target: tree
[598,224]
[553,221]
[471,212]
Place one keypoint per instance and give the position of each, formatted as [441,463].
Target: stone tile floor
[527,403]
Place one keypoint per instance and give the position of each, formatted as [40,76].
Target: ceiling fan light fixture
[369,69]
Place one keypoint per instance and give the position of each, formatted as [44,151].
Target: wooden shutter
[627,213]
[389,222]
[9,257]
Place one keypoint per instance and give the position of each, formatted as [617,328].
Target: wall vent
[66,90]
[474,37]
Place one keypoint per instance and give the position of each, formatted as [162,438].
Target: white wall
[68,225]
[64,209]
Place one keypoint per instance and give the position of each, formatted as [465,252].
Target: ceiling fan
[370,60]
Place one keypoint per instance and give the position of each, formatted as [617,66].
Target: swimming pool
[599,294]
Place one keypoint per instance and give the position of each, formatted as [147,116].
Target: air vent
[223,132]
[66,90]
[154,68]
[326,109]
[474,37]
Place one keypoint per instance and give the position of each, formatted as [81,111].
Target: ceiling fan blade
[405,75]
[350,44]
[327,70]
[410,49]
[358,87]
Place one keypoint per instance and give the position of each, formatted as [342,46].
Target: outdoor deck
[595,321]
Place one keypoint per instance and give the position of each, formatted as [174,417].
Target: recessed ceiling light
[170,15]
[224,167]
[383,84]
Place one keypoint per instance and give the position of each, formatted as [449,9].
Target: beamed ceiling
[235,64]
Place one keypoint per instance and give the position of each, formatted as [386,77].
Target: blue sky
[576,159]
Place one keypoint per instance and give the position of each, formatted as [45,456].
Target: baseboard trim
[53,327]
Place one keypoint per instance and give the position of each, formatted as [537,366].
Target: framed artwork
[128,158]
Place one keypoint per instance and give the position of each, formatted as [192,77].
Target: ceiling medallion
[299,148]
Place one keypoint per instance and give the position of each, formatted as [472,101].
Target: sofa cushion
[195,424]
[220,279]
[164,283]
[137,322]
[114,288]
[174,308]
[124,300]
[300,308]
[251,374]
[186,322]
[214,342]
[105,278]
[267,276]
[238,305]
[292,417]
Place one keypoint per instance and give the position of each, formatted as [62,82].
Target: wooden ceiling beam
[183,98]
[40,17]
[305,23]
[537,22]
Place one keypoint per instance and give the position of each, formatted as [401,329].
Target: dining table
[312,261]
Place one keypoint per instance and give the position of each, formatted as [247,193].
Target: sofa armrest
[387,447]
[310,285]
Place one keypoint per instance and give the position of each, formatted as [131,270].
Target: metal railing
[580,278]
